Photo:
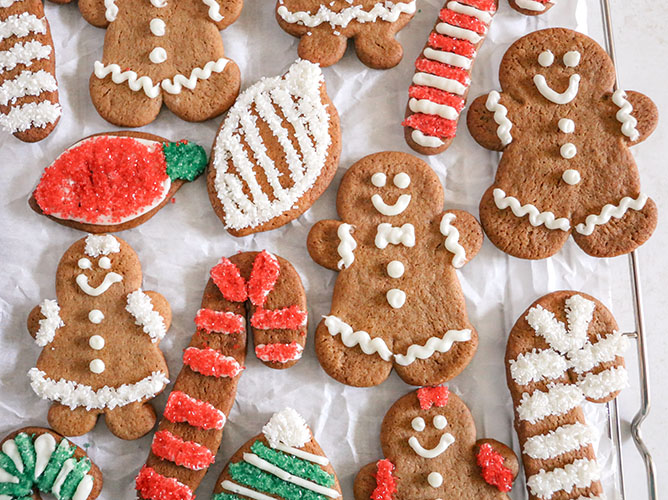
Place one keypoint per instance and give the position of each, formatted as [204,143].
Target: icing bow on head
[430,396]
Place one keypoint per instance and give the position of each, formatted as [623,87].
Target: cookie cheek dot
[378,179]
[104,263]
[402,180]
[572,59]
[84,264]
[418,424]
[546,58]
[440,422]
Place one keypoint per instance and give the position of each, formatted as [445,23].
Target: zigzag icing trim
[214,10]
[536,217]
[175,85]
[384,11]
[493,105]
[133,80]
[111,10]
[624,115]
[452,244]
[347,246]
[609,211]
[432,346]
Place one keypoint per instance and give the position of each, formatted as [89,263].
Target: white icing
[242,490]
[426,141]
[21,25]
[568,150]
[609,211]
[387,11]
[134,81]
[624,115]
[566,125]
[49,324]
[562,440]
[10,449]
[23,53]
[318,459]
[572,58]
[45,445]
[579,474]
[431,108]
[176,84]
[84,263]
[158,55]
[440,82]
[546,58]
[68,467]
[141,308]
[110,10]
[214,10]
[104,263]
[452,244]
[603,384]
[351,338]
[30,115]
[460,8]
[297,95]
[159,3]
[558,98]
[109,279]
[97,366]
[97,245]
[287,427]
[96,342]
[494,105]
[157,27]
[432,346]
[448,58]
[346,247]
[395,269]
[603,351]
[531,5]
[440,422]
[391,210]
[74,394]
[26,83]
[6,477]
[579,313]
[557,400]
[84,488]
[5,4]
[396,298]
[379,179]
[418,424]
[435,479]
[535,366]
[386,234]
[95,316]
[402,180]
[571,177]
[536,217]
[446,440]
[457,32]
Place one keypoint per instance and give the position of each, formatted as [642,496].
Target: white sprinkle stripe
[50,324]
[562,440]
[23,53]
[559,399]
[457,32]
[133,80]
[536,217]
[432,346]
[139,305]
[579,474]
[30,115]
[431,108]
[601,385]
[579,313]
[27,83]
[609,211]
[311,457]
[242,490]
[440,82]
[384,11]
[175,85]
[537,366]
[624,115]
[452,244]
[448,58]
[605,350]
[21,25]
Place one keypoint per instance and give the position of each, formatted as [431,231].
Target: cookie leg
[365,482]
[131,421]
[515,235]
[120,105]
[210,97]
[322,46]
[620,236]
[69,422]
[379,49]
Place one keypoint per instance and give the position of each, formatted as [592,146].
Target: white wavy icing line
[111,10]
[494,105]
[141,308]
[427,141]
[536,217]
[23,53]
[133,80]
[533,5]
[49,324]
[452,244]
[21,25]
[432,346]
[579,474]
[27,83]
[609,211]
[214,10]
[175,86]
[30,115]
[624,115]
[385,11]
[347,246]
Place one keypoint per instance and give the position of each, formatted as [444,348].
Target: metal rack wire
[614,422]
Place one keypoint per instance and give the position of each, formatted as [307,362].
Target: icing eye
[440,422]
[84,264]
[418,424]
[402,180]
[378,179]
[572,58]
[104,263]
[545,59]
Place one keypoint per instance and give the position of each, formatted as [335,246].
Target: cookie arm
[365,482]
[637,115]
[510,461]
[161,305]
[462,235]
[488,121]
[330,242]
[95,12]
[33,321]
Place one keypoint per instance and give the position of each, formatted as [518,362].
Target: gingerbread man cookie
[100,341]
[324,27]
[429,442]
[564,350]
[397,300]
[566,168]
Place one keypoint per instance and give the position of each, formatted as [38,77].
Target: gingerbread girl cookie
[564,350]
[429,442]
[397,300]
[324,27]
[566,168]
[162,51]
[100,341]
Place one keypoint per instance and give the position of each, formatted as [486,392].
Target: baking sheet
[184,240]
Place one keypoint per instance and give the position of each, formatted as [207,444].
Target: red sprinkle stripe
[220,321]
[211,363]
[432,125]
[386,486]
[154,486]
[486,5]
[187,454]
[263,277]
[182,408]
[279,353]
[445,70]
[433,396]
[449,44]
[463,21]
[436,95]
[493,470]
[229,281]
[288,318]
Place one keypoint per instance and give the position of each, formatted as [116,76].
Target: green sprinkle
[8,465]
[251,476]
[27,451]
[17,490]
[74,478]
[62,453]
[225,496]
[293,465]
[185,160]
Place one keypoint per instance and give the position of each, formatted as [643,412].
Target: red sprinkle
[263,277]
[386,486]
[436,95]
[288,318]
[182,408]
[493,470]
[154,486]
[444,70]
[449,44]
[486,5]
[432,125]
[211,363]
[229,281]
[187,454]
[279,353]
[104,179]
[463,21]
[220,321]
[430,396]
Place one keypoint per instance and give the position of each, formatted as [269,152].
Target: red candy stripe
[430,396]
[432,125]
[154,486]
[279,353]
[463,21]
[486,5]
[444,70]
[263,277]
[211,363]
[187,454]
[219,321]
[448,44]
[229,281]
[386,486]
[182,408]
[436,95]
[493,470]
[288,318]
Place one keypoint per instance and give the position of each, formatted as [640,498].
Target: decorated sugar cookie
[285,461]
[100,341]
[162,51]
[566,167]
[442,77]
[397,300]
[324,27]
[275,153]
[36,459]
[532,7]
[116,181]
[267,291]
[429,442]
[29,105]
[564,350]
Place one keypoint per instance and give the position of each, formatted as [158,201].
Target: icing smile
[109,279]
[446,440]
[399,206]
[558,98]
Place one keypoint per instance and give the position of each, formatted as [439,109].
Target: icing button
[158,55]
[571,177]
[96,342]
[96,366]
[434,479]
[396,298]
[157,27]
[395,269]
[95,316]
[567,126]
[568,150]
